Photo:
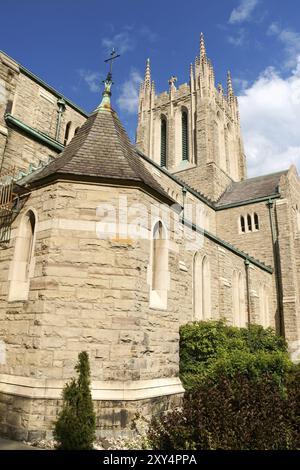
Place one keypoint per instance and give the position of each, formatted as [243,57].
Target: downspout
[247,266]
[270,205]
[184,191]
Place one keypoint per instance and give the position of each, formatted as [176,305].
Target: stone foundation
[24,418]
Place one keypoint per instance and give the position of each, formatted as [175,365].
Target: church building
[109,247]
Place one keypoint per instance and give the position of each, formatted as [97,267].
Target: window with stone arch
[163,141]
[264,306]
[255,221]
[185,134]
[249,223]
[22,267]
[202,288]
[159,267]
[297,214]
[242,224]
[76,130]
[67,133]
[238,299]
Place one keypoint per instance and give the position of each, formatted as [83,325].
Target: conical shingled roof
[100,149]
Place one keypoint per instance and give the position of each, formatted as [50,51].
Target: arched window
[163,142]
[242,222]
[242,303]
[235,298]
[67,132]
[264,306]
[185,138]
[22,264]
[297,215]
[256,221]
[76,130]
[202,288]
[249,223]
[159,267]
[238,299]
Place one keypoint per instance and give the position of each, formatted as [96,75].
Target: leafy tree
[208,349]
[75,427]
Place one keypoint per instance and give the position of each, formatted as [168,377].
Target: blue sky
[65,43]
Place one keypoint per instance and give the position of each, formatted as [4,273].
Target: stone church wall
[92,294]
[35,105]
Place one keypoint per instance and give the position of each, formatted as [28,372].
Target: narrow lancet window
[67,133]
[185,140]
[163,143]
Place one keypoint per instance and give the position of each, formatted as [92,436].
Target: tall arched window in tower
[256,221]
[159,267]
[202,288]
[67,132]
[22,264]
[185,136]
[163,142]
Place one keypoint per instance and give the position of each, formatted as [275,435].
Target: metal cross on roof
[113,56]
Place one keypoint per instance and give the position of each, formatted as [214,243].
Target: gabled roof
[100,149]
[251,189]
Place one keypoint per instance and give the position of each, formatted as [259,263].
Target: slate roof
[252,188]
[101,149]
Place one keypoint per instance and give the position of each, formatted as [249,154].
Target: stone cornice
[51,389]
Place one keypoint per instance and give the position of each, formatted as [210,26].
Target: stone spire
[147,80]
[230,93]
[202,47]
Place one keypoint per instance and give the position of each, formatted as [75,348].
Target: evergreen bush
[75,427]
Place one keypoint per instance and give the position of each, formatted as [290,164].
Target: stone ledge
[116,391]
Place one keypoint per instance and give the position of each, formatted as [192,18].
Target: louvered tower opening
[185,141]
[163,143]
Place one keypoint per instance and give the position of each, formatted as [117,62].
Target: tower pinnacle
[202,47]
[230,93]
[147,80]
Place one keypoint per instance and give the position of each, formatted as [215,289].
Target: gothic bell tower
[193,130]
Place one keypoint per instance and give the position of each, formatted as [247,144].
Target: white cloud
[92,79]
[238,39]
[243,11]
[270,116]
[290,40]
[122,42]
[128,99]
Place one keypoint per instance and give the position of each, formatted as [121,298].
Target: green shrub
[231,414]
[210,348]
[76,424]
